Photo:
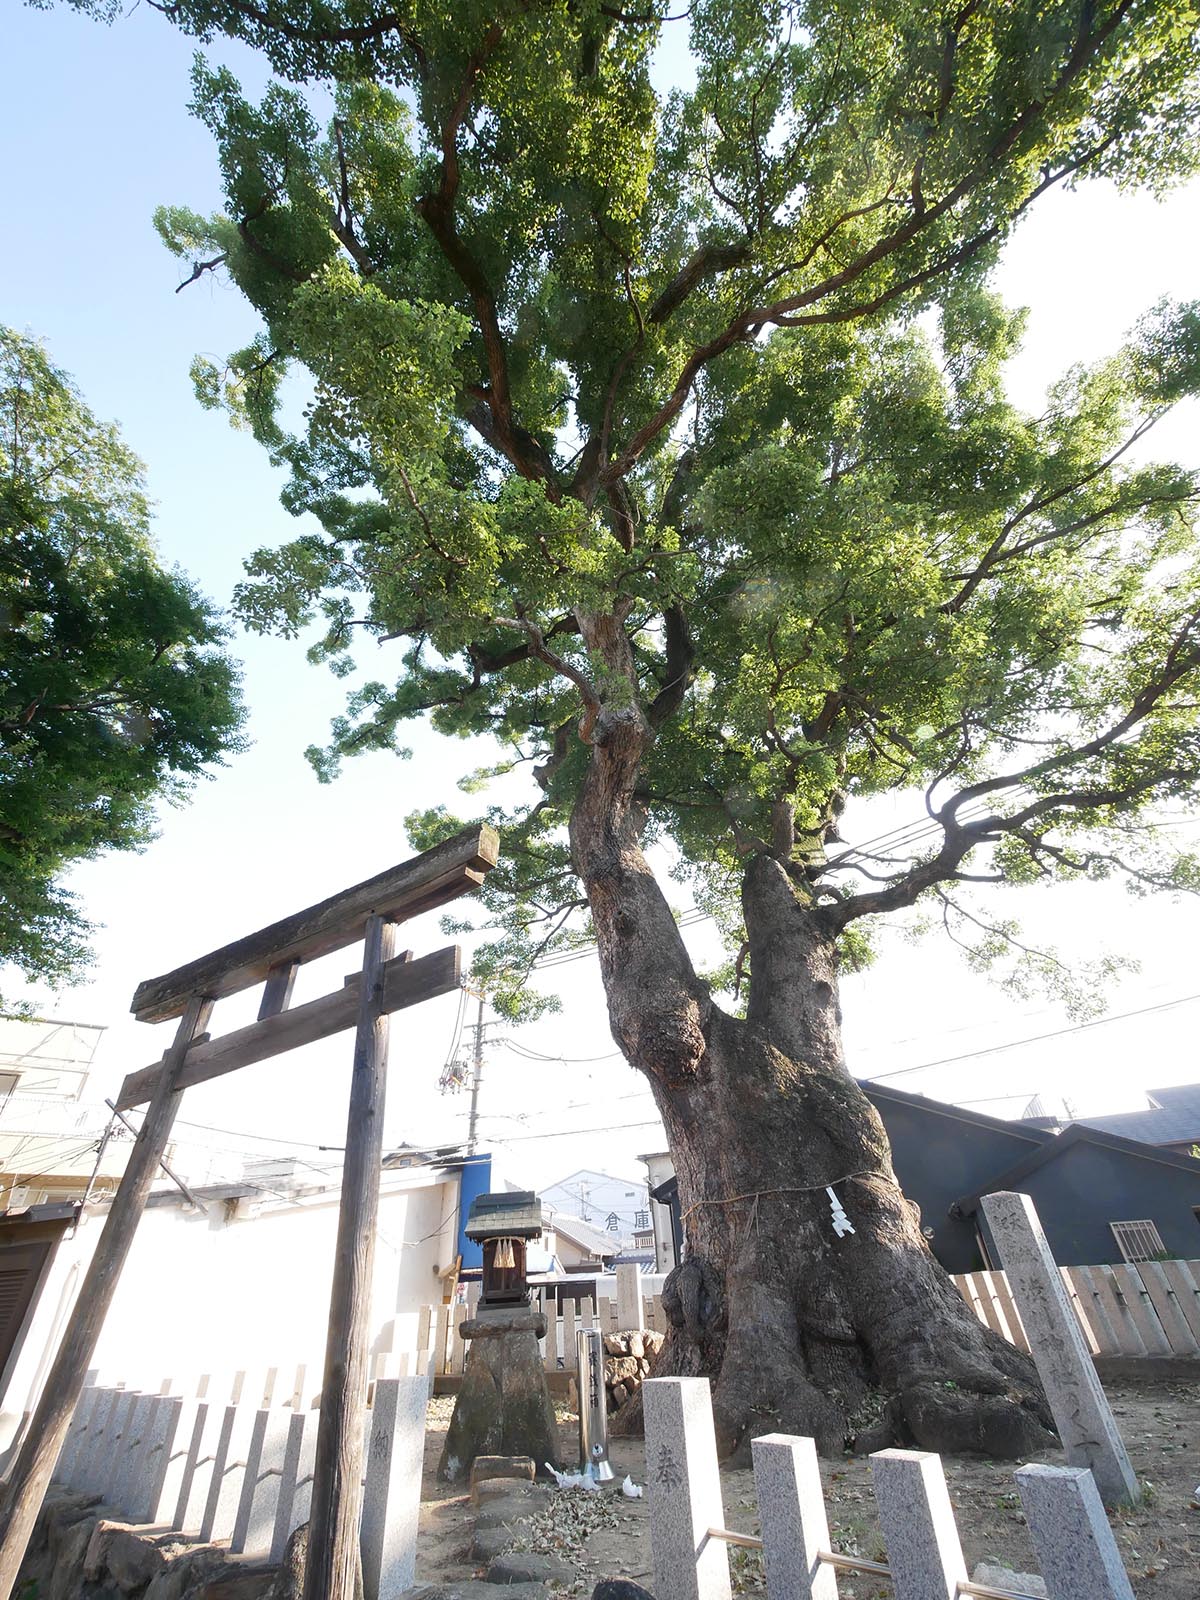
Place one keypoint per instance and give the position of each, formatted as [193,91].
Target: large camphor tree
[623,423]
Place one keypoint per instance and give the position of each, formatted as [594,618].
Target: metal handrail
[874,1569]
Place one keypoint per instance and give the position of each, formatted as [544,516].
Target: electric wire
[1037,1038]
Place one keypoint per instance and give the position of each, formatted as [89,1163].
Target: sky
[94,134]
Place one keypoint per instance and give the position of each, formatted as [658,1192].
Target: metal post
[593,1404]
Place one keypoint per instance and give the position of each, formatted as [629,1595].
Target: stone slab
[488,1543]
[254,1525]
[148,1493]
[485,1468]
[505,1511]
[1075,1545]
[1074,1394]
[520,1566]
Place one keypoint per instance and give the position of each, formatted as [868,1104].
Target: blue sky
[94,134]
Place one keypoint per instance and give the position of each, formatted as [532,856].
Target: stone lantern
[503,1406]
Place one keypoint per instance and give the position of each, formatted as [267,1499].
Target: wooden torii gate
[386,983]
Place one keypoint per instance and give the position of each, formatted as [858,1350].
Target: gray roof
[1172,1118]
[597,1241]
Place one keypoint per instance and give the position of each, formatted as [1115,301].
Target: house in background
[1171,1119]
[618,1205]
[51,1127]
[580,1247]
[1101,1197]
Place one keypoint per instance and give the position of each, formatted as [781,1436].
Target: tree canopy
[689,407]
[116,688]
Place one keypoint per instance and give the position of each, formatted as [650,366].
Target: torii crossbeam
[369,911]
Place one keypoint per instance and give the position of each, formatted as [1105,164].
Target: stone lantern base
[503,1407]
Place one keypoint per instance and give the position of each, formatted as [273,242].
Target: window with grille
[1138,1241]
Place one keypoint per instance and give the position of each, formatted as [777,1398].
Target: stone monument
[503,1407]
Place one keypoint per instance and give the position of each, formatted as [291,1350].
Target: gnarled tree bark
[860,1340]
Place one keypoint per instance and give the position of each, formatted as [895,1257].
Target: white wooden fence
[1070,1532]
[440,1343]
[232,1462]
[1151,1309]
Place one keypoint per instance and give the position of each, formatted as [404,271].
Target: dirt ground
[1160,1541]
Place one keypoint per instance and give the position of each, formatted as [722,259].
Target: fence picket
[295,1481]
[1075,1544]
[791,1510]
[1087,1306]
[1129,1286]
[1187,1292]
[925,1557]
[1162,1298]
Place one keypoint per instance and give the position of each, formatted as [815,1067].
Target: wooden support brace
[405,983]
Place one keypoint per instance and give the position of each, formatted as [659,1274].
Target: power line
[567,1133]
[1036,1038]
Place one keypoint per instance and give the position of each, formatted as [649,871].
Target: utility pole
[476,1076]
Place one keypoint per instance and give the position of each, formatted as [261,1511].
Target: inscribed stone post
[392,1502]
[89,1464]
[629,1298]
[791,1511]
[1075,1545]
[1077,1402]
[683,1486]
[917,1523]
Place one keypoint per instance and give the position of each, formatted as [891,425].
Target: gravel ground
[1160,1541]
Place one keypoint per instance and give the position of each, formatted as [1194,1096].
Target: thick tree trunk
[859,1340]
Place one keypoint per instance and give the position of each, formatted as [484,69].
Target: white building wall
[200,1294]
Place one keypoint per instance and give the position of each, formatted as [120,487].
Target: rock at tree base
[503,1407]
